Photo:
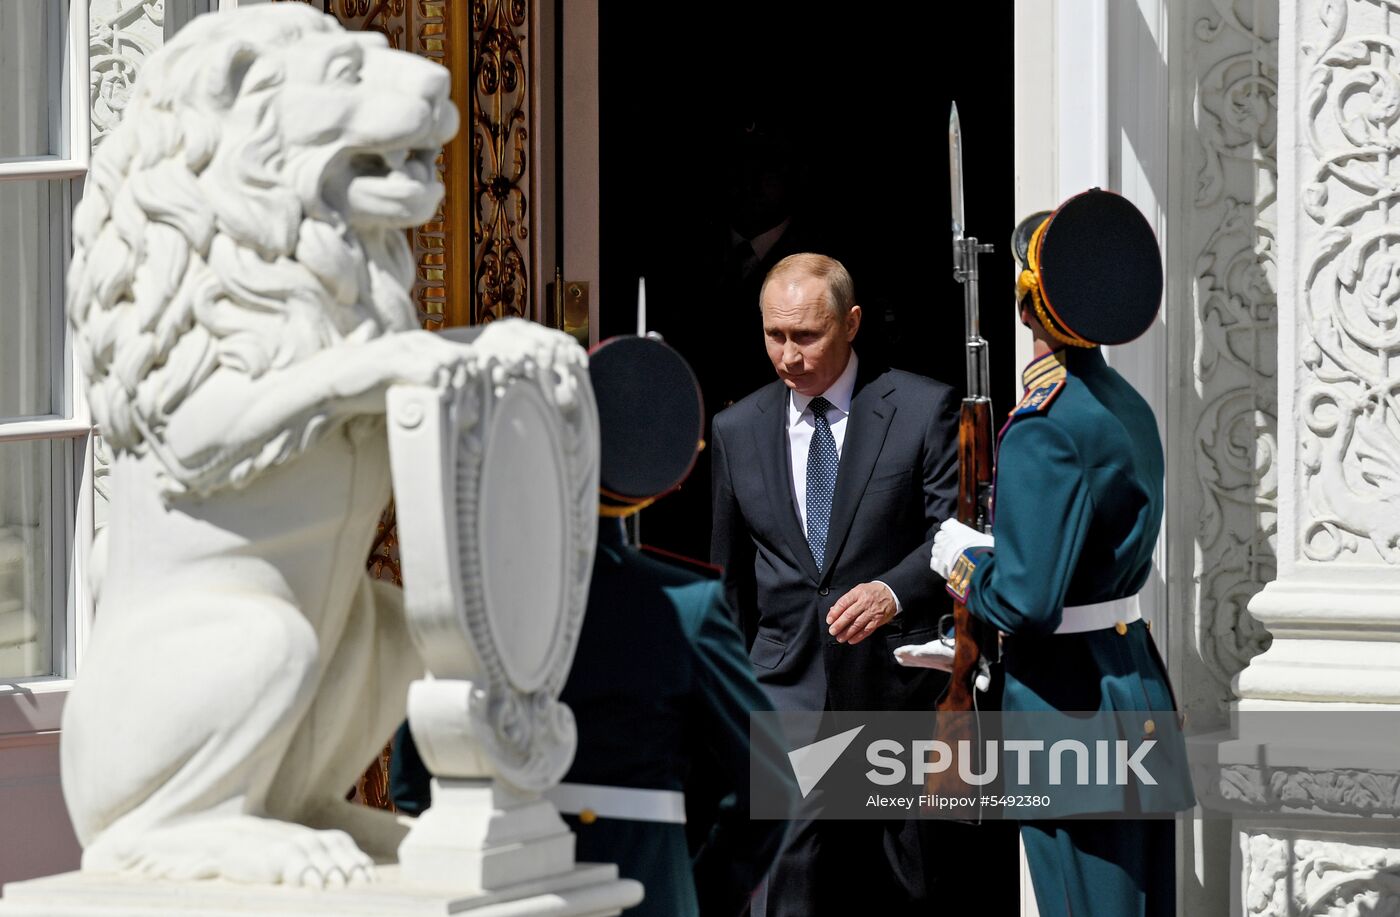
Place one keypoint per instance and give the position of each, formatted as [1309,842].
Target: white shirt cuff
[897,606]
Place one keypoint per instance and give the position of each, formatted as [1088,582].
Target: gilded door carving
[500,124]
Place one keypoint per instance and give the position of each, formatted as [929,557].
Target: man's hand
[858,613]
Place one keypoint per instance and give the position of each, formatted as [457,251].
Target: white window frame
[75,150]
[34,703]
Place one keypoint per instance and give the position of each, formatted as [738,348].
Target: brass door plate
[567,308]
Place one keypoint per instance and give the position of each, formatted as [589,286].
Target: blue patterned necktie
[821,480]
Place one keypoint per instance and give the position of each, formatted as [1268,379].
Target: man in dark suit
[829,485]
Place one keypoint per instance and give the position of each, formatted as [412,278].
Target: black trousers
[914,867]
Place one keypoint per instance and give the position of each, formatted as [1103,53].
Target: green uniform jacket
[1078,507]
[662,690]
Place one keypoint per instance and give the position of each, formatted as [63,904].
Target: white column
[1036,126]
[1081,77]
[1133,108]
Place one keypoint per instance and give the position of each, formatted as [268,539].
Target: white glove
[951,540]
[934,654]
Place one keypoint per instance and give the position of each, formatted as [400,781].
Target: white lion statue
[239,296]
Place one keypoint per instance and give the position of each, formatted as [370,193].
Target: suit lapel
[771,444]
[866,427]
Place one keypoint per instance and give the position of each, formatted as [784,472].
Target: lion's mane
[202,241]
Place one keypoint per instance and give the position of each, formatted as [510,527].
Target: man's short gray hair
[840,289]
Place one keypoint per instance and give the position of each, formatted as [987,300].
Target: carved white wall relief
[123,34]
[1226,220]
[1333,611]
[1288,876]
[1349,276]
[1342,791]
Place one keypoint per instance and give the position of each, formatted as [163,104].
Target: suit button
[1121,628]
[1149,727]
[825,590]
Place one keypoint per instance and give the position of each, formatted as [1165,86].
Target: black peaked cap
[1100,268]
[650,417]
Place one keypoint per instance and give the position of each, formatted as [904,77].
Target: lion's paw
[242,849]
[519,349]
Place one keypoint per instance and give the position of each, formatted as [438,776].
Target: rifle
[974,642]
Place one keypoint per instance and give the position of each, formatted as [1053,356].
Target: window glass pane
[28,590]
[31,307]
[30,51]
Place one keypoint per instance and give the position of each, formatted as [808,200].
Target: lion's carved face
[358,128]
[250,209]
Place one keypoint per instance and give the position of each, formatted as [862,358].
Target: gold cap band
[1029,282]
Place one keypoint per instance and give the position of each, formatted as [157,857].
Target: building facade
[1259,136]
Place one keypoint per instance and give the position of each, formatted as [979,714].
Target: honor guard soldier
[1078,507]
[661,687]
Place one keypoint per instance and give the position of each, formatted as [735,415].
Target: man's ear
[852,323]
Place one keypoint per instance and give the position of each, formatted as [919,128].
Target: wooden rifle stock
[973,637]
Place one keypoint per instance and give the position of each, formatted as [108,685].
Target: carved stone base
[1334,638]
[1288,873]
[587,891]
[1314,792]
[479,836]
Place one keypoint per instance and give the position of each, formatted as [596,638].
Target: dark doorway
[833,118]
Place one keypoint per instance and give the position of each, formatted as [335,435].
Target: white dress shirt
[801,425]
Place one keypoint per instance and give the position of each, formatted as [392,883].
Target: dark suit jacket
[896,483]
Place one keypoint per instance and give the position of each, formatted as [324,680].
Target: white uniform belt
[1080,618]
[619,802]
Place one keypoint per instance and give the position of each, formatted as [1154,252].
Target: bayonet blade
[955,172]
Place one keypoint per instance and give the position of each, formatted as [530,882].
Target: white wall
[36,837]
[1037,123]
[1091,111]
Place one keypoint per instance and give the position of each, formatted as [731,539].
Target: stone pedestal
[586,891]
[481,836]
